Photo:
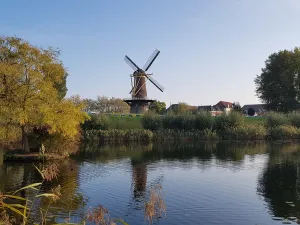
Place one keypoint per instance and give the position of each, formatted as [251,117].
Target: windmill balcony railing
[135,98]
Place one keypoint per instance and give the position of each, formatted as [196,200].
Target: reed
[284,132]
[118,135]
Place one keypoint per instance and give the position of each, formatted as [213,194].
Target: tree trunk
[25,143]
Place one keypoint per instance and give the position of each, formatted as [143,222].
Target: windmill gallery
[139,102]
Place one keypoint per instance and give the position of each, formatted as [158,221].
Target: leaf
[46,195]
[14,197]
[13,209]
[18,206]
[31,186]
[121,221]
[39,171]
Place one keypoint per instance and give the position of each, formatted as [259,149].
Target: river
[202,183]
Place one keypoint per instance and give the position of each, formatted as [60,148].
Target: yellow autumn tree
[29,97]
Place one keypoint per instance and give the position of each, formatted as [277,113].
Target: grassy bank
[201,126]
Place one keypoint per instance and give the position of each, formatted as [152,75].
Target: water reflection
[279,181]
[220,183]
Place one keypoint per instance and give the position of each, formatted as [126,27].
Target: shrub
[151,121]
[276,119]
[245,132]
[227,121]
[172,122]
[97,122]
[203,120]
[284,132]
[295,119]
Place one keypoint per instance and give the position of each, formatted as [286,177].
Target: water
[203,183]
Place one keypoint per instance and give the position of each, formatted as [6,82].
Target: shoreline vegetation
[200,126]
[232,127]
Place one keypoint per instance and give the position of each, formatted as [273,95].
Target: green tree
[158,107]
[279,83]
[32,88]
[181,108]
[236,106]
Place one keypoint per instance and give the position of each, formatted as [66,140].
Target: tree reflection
[279,181]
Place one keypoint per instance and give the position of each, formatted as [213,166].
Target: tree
[181,108]
[237,107]
[158,107]
[104,104]
[32,89]
[279,83]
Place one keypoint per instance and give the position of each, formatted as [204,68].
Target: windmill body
[139,102]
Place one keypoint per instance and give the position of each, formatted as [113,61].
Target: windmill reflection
[139,179]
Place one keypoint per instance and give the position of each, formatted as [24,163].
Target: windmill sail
[131,63]
[151,60]
[156,84]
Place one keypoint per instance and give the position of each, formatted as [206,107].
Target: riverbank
[20,156]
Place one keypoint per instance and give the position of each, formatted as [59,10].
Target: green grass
[134,121]
[125,122]
[254,120]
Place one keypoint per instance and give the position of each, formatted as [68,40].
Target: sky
[211,50]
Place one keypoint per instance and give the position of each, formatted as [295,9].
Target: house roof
[225,104]
[256,107]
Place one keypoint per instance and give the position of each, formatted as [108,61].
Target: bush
[245,132]
[276,119]
[151,121]
[295,119]
[172,121]
[228,121]
[203,120]
[284,132]
[97,122]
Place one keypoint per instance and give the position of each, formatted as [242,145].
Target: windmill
[139,102]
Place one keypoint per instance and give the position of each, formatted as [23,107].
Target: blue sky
[210,50]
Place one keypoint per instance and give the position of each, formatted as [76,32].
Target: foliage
[97,122]
[228,121]
[118,135]
[175,135]
[295,119]
[180,108]
[158,107]
[276,119]
[236,106]
[151,121]
[284,132]
[279,83]
[107,105]
[33,81]
[203,120]
[245,132]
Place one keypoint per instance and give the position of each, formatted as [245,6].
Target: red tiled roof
[225,104]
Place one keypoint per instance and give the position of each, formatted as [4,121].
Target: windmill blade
[156,84]
[131,63]
[151,60]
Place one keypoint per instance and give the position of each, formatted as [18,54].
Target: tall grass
[245,132]
[118,135]
[276,119]
[284,132]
